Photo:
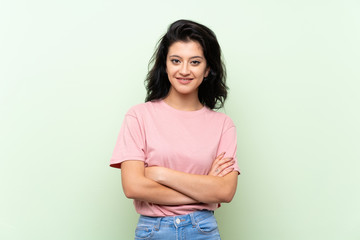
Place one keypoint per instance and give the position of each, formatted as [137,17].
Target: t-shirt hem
[145,213]
[116,163]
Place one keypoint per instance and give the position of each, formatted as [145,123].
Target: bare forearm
[137,186]
[203,188]
[153,192]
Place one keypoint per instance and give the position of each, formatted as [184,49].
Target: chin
[185,91]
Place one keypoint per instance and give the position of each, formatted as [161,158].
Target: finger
[215,171]
[225,161]
[218,167]
[219,157]
[226,165]
[226,172]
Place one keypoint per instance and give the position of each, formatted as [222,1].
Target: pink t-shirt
[186,141]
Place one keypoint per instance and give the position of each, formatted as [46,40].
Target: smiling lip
[184,80]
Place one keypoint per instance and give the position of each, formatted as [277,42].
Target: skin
[206,189]
[186,69]
[140,183]
[185,60]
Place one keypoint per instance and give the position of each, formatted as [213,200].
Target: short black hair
[213,90]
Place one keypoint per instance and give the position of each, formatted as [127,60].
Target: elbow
[227,196]
[131,192]
[229,188]
[219,198]
[224,193]
[133,188]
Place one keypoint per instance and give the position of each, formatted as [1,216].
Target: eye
[175,61]
[195,62]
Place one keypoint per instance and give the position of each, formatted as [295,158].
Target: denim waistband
[177,221]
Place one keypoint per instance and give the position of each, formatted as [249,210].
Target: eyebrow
[190,58]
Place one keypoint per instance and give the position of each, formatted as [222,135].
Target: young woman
[177,155]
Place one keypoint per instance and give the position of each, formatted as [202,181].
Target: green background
[70,70]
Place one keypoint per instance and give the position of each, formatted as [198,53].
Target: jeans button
[177,221]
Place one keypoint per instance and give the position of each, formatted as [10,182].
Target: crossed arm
[165,186]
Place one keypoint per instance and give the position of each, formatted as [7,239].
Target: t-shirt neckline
[188,113]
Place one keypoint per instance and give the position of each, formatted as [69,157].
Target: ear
[207,71]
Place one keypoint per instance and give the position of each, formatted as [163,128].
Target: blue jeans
[194,226]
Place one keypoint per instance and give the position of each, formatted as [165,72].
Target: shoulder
[222,117]
[142,109]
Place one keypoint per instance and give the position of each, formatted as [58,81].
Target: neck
[183,102]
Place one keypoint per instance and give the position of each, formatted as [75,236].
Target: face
[186,67]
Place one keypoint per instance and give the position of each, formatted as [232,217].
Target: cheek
[202,72]
[169,74]
[170,70]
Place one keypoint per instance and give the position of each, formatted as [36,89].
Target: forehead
[186,49]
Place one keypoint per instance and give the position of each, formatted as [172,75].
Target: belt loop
[157,224]
[193,222]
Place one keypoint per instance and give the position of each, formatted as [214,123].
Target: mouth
[184,80]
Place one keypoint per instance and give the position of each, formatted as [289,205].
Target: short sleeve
[130,142]
[228,142]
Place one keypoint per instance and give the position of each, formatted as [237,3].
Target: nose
[184,70]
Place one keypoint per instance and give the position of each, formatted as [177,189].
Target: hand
[221,166]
